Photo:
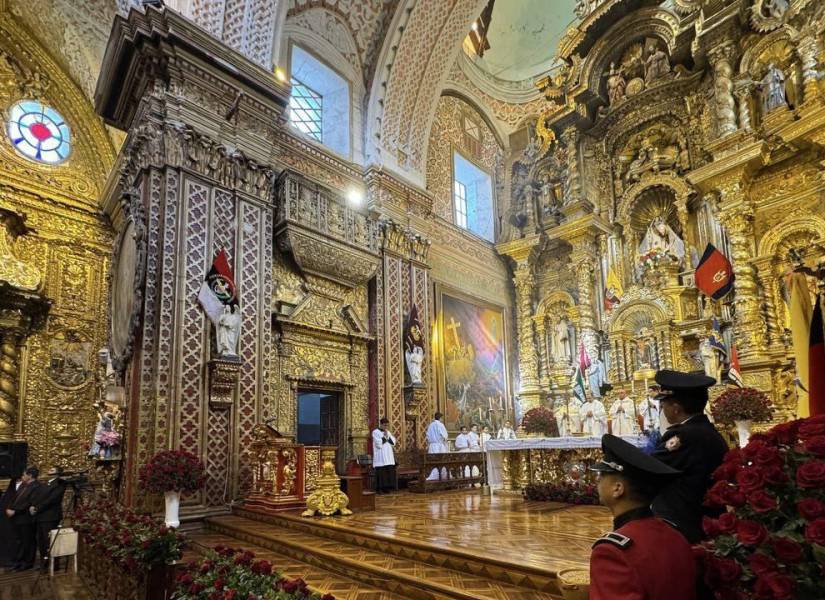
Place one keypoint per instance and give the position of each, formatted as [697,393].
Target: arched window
[39,132]
[473,205]
[319,105]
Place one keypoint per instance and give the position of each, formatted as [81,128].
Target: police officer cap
[623,458]
[689,389]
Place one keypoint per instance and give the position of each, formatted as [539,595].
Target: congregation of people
[32,508]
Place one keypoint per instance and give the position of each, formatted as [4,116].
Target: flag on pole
[714,273]
[735,373]
[584,358]
[816,362]
[613,290]
[218,288]
[716,340]
[801,310]
[577,384]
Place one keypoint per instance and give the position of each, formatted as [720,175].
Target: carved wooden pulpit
[278,466]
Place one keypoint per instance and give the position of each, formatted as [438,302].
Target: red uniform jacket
[643,559]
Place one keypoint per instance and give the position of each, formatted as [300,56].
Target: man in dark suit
[47,509]
[22,519]
[8,552]
[692,445]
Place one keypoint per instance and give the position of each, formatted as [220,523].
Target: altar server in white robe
[623,415]
[475,444]
[649,409]
[568,417]
[593,418]
[383,457]
[485,436]
[462,440]
[437,442]
[507,432]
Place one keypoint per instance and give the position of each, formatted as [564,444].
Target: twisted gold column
[721,58]
[9,374]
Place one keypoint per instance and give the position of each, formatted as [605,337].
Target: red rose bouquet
[134,542]
[231,573]
[540,420]
[173,471]
[567,492]
[741,404]
[771,542]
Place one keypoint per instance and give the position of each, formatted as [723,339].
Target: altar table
[513,464]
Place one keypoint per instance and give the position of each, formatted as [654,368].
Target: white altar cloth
[494,450]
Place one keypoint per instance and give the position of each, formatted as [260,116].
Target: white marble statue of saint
[561,342]
[593,418]
[415,362]
[772,89]
[596,377]
[711,359]
[228,331]
[623,415]
[661,237]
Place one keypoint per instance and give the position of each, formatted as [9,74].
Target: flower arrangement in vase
[172,472]
[741,407]
[771,542]
[230,573]
[540,421]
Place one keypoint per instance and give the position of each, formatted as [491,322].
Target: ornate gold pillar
[22,310]
[750,330]
[721,58]
[570,137]
[541,338]
[743,95]
[584,261]
[767,274]
[524,281]
[808,50]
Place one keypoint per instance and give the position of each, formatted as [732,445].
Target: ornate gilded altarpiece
[668,128]
[66,245]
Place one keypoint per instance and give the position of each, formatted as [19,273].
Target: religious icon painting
[39,132]
[473,363]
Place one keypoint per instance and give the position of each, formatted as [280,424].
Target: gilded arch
[772,242]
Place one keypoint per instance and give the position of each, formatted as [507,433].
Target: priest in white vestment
[475,444]
[593,418]
[383,457]
[649,409]
[507,432]
[623,415]
[437,442]
[462,440]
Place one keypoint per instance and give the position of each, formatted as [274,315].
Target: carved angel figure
[657,65]
[774,9]
[616,85]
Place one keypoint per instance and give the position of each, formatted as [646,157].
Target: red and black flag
[218,288]
[714,273]
[816,362]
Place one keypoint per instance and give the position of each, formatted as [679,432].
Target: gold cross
[453,326]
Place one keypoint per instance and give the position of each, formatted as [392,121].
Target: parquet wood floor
[63,586]
[463,544]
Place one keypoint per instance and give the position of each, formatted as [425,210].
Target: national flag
[716,340]
[218,288]
[735,372]
[816,362]
[584,358]
[613,290]
[801,310]
[714,273]
[577,384]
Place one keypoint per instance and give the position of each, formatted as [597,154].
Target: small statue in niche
[711,359]
[414,347]
[228,331]
[772,89]
[616,85]
[657,64]
[660,236]
[561,342]
[643,162]
[106,440]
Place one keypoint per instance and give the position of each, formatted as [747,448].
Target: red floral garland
[173,471]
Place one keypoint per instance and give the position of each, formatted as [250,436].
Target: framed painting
[471,345]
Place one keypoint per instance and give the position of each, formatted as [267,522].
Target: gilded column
[721,58]
[584,262]
[541,335]
[808,50]
[9,370]
[750,330]
[573,189]
[743,95]
[768,273]
[524,281]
